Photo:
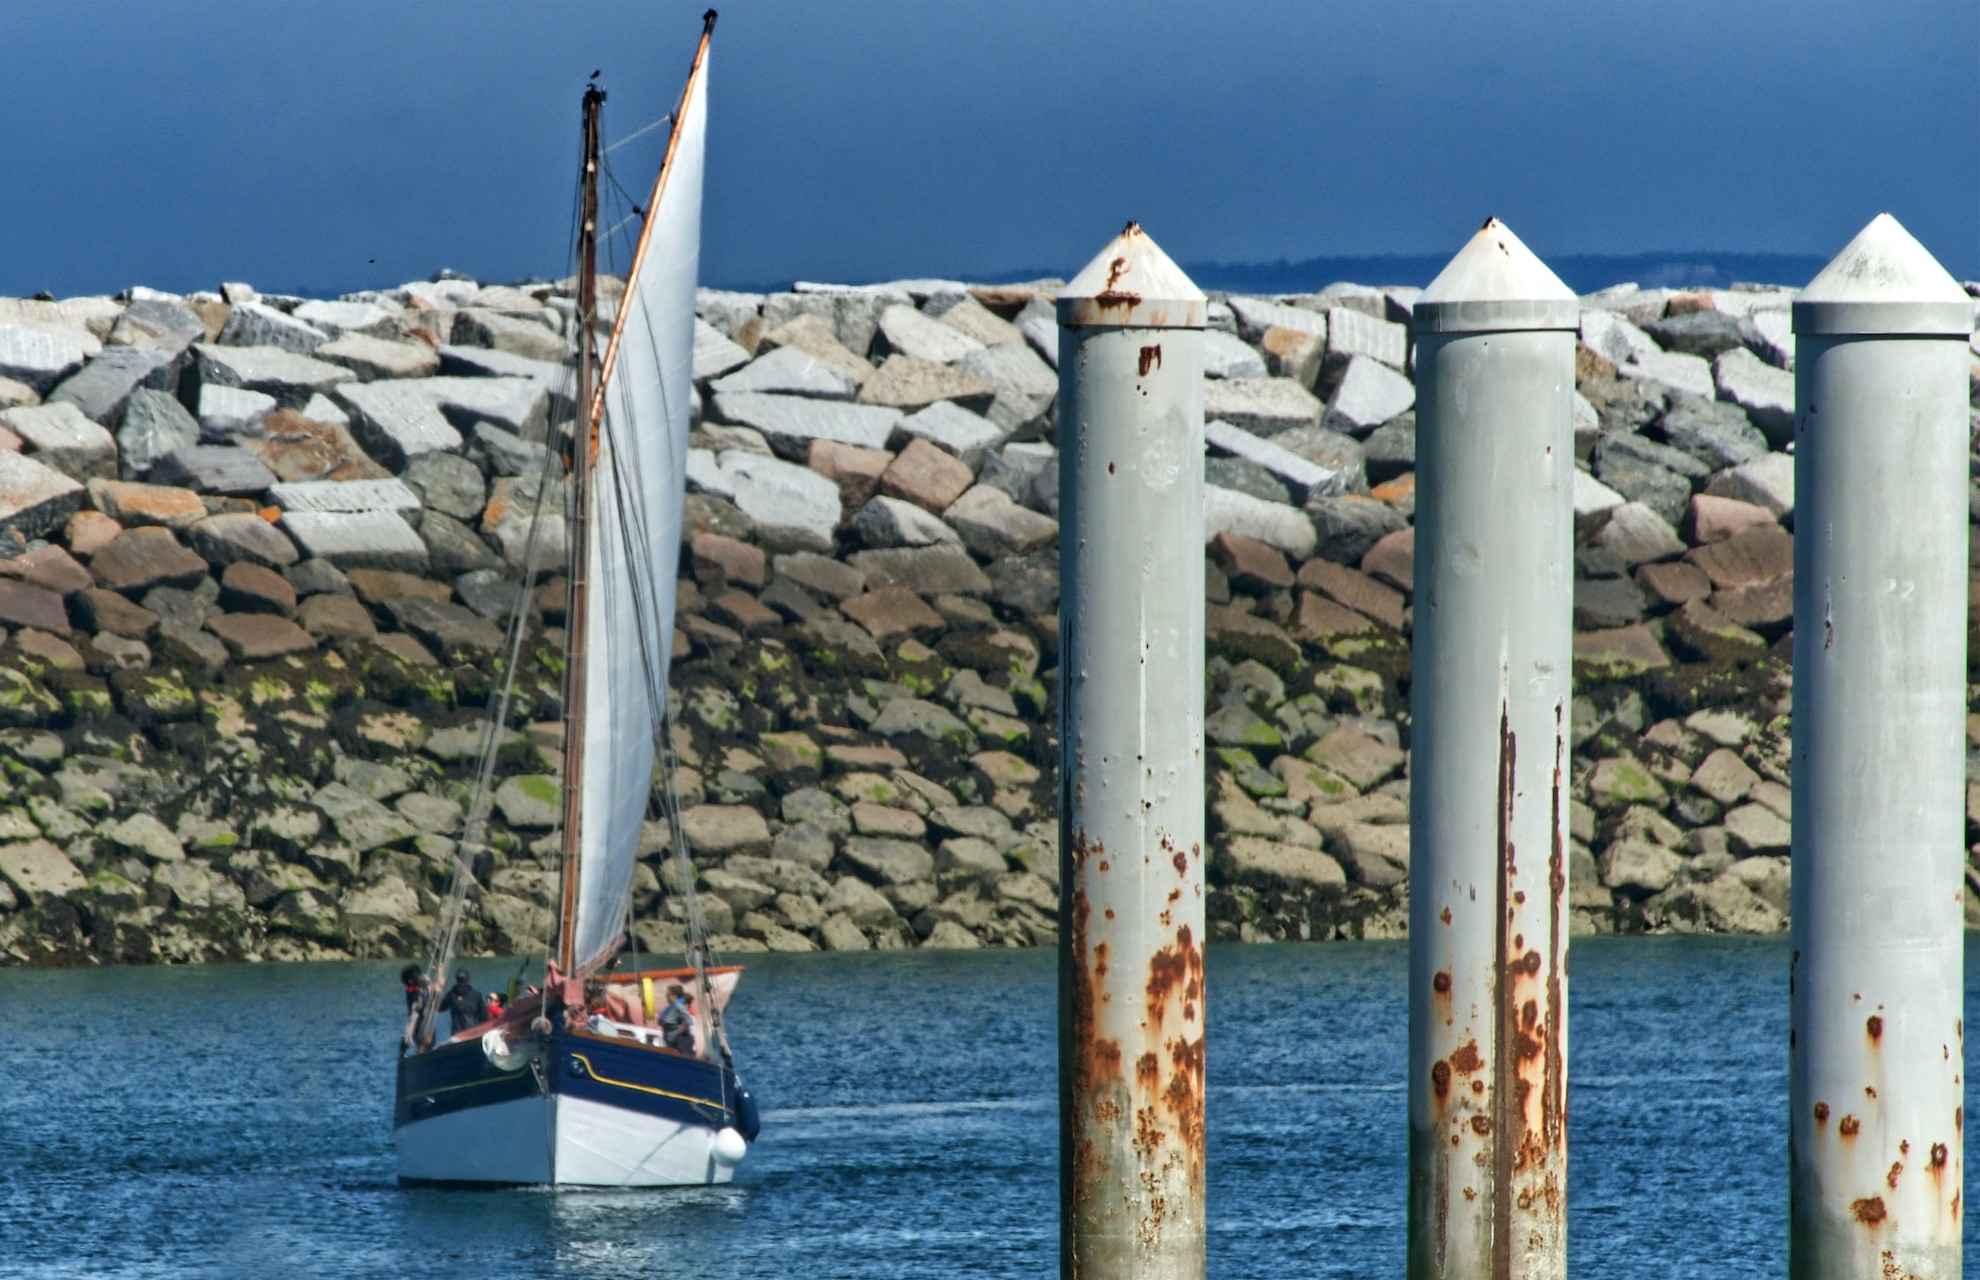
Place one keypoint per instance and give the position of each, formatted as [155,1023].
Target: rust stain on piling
[1869,1211]
[1151,357]
[1174,970]
[1849,1126]
[1875,1026]
[1821,1113]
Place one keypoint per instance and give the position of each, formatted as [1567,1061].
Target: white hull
[560,1141]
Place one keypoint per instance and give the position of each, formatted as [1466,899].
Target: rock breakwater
[255,551]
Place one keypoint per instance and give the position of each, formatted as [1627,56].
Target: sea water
[236,1121]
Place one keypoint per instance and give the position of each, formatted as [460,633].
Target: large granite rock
[256,324]
[970,437]
[1303,479]
[1275,525]
[791,423]
[371,358]
[58,435]
[153,425]
[1764,392]
[1368,394]
[291,379]
[906,383]
[1261,406]
[42,357]
[104,385]
[909,332]
[213,468]
[397,421]
[361,539]
[789,371]
[793,507]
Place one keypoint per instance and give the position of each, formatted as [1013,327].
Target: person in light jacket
[677,1021]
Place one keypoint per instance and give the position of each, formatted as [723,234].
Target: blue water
[234,1121]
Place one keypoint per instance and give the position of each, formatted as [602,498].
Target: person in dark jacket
[464,1005]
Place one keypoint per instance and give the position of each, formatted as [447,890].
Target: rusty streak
[1553,1101]
[1502,1102]
[1151,357]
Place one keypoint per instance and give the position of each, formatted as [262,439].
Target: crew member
[464,1005]
[677,1021]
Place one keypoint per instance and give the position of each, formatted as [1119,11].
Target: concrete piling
[1875,1040]
[1131,630]
[1489,693]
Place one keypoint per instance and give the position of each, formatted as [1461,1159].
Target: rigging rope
[501,700]
[641,132]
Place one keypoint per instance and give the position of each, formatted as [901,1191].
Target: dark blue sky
[291,143]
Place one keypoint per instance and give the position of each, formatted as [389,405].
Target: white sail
[635,533]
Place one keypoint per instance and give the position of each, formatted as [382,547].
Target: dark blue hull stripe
[654,1082]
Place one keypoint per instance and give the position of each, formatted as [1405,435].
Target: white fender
[728,1146]
[495,1046]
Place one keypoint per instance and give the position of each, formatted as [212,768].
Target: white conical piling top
[1131,284]
[1496,282]
[1883,281]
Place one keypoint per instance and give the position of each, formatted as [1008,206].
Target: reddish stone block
[1252,566]
[1393,559]
[891,611]
[1356,590]
[855,470]
[926,475]
[1710,519]
[1673,582]
[733,561]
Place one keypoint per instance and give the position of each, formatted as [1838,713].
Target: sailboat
[589,1080]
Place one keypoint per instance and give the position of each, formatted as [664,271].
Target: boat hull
[581,1110]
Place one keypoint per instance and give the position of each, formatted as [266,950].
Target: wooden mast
[583,458]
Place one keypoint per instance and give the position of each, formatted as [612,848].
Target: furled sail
[635,532]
